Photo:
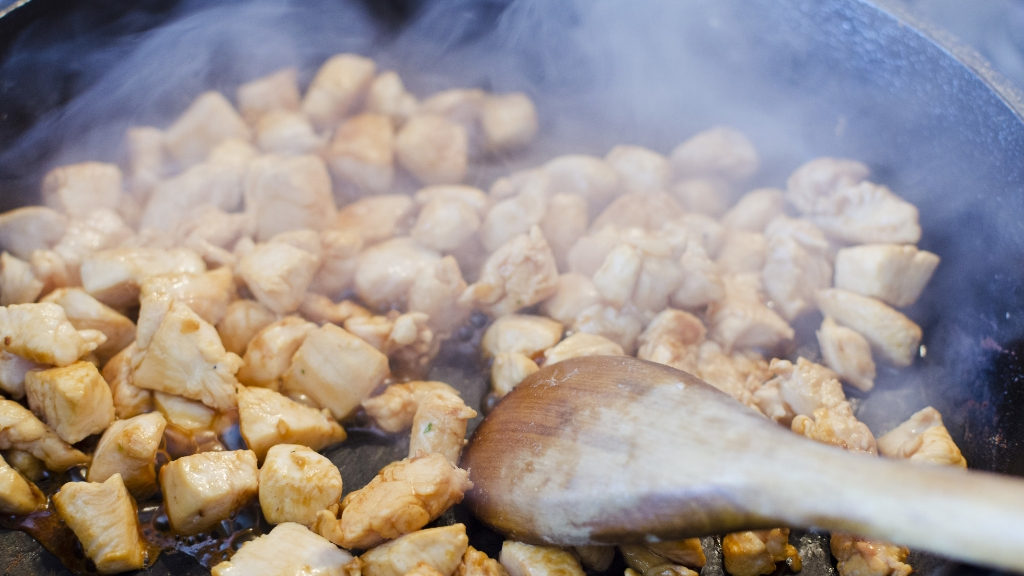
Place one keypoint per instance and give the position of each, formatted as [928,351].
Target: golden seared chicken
[76,189]
[207,122]
[433,149]
[129,399]
[508,369]
[21,430]
[756,553]
[799,388]
[848,353]
[24,230]
[339,84]
[103,518]
[276,91]
[385,272]
[643,561]
[439,426]
[395,409]
[18,284]
[74,400]
[362,153]
[521,333]
[673,338]
[267,418]
[856,556]
[128,447]
[115,276]
[687,552]
[242,320]
[12,373]
[521,273]
[894,273]
[922,439]
[17,494]
[42,333]
[87,313]
[519,559]
[439,548]
[742,319]
[403,497]
[477,563]
[205,488]
[289,548]
[891,334]
[278,274]
[579,345]
[796,265]
[836,426]
[269,353]
[284,193]
[296,483]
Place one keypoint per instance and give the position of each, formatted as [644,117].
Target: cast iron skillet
[803,77]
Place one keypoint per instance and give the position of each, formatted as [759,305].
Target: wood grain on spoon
[605,449]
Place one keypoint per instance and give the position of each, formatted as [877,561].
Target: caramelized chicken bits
[756,553]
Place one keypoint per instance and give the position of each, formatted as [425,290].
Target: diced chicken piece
[77,189]
[242,321]
[277,91]
[87,313]
[21,430]
[433,149]
[32,468]
[145,145]
[640,170]
[439,426]
[647,210]
[522,333]
[185,357]
[848,353]
[519,274]
[721,152]
[395,409]
[796,265]
[508,121]
[755,210]
[516,215]
[856,556]
[701,282]
[586,176]
[387,95]
[74,400]
[743,252]
[589,252]
[411,344]
[895,274]
[377,218]
[202,489]
[336,369]
[687,552]
[50,269]
[338,260]
[469,195]
[621,326]
[799,388]
[402,498]
[694,228]
[296,483]
[742,320]
[211,233]
[18,284]
[288,193]
[12,373]
[477,563]
[129,400]
[508,369]
[518,182]
[42,333]
[267,419]
[575,293]
[891,334]
[321,310]
[385,272]
[207,294]
[307,553]
[278,274]
[461,106]
[269,353]
[339,84]
[617,276]
[564,223]
[374,330]
[286,132]
[810,184]
[640,559]
[922,439]
[103,518]
[362,153]
[579,345]
[18,496]
[24,230]
[520,559]
[445,225]
[128,448]
[709,196]
[838,427]
[755,553]
[673,338]
[115,276]
[189,415]
[440,549]
[740,374]
[436,292]
[207,122]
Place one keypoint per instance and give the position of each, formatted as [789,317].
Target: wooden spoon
[605,449]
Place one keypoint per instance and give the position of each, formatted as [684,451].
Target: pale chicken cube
[377,218]
[339,251]
[276,91]
[212,233]
[242,320]
[810,185]
[694,228]
[477,563]
[445,225]
[641,560]
[708,196]
[721,152]
[579,345]
[30,228]
[188,415]
[387,95]
[207,122]
[50,269]
[848,353]
[77,189]
[462,107]
[128,447]
[755,210]
[339,84]
[129,400]
[74,400]
[402,498]
[42,333]
[756,553]
[564,223]
[590,251]
[103,518]
[743,252]
[21,430]
[508,369]
[740,374]
[742,320]
[837,427]
[518,182]
[267,419]
[649,210]
[574,294]
[439,426]
[508,121]
[185,357]
[296,483]
[856,556]
[115,276]
[202,489]
[321,310]
[673,338]
[441,549]
[796,266]
[336,369]
[799,388]
[433,149]
[640,170]
[701,283]
[18,495]
[395,409]
[411,344]
[687,552]
[587,176]
[510,217]
[891,334]
[374,330]
[519,274]
[520,559]
[436,292]
[12,373]
[101,229]
[288,193]
[18,284]
[145,147]
[87,313]
[269,354]
[385,272]
[895,274]
[207,294]
[286,132]
[278,275]
[521,333]
[923,438]
[470,195]
[617,276]
[362,153]
[620,325]
[307,553]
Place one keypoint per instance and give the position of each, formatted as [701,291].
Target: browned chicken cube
[756,553]
[362,153]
